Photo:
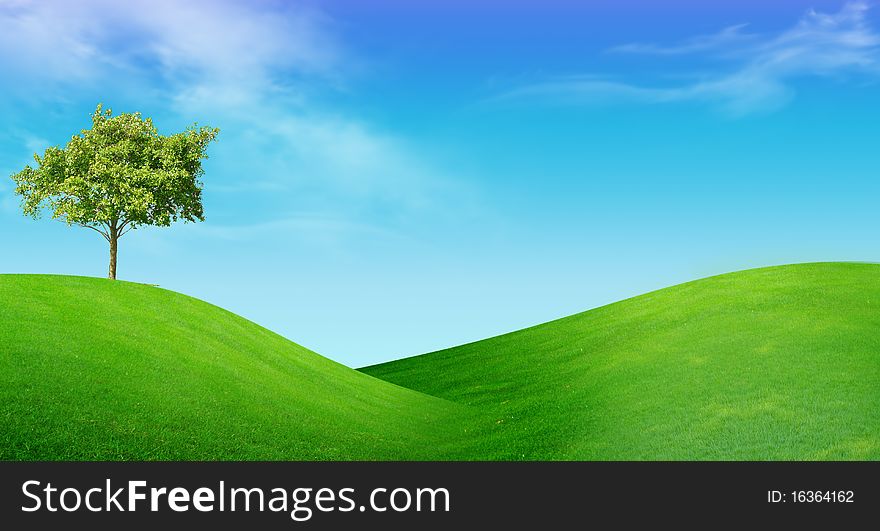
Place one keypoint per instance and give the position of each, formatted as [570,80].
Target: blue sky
[394,178]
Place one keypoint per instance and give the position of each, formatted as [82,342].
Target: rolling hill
[773,363]
[777,363]
[92,369]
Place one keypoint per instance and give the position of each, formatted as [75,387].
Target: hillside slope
[774,363]
[100,370]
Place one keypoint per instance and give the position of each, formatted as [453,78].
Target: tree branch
[124,228]
[96,229]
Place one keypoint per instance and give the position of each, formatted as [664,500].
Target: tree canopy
[119,175]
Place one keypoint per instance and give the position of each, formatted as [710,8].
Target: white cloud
[820,45]
[45,44]
[732,35]
[738,95]
[357,161]
[257,70]
[194,41]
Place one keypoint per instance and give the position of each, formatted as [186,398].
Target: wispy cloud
[186,42]
[261,71]
[761,78]
[730,36]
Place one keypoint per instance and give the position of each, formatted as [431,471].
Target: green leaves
[119,175]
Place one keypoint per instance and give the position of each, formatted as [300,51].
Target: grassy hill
[94,369]
[775,363]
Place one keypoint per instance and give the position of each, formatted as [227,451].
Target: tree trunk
[114,246]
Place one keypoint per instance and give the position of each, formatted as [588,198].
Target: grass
[97,370]
[779,363]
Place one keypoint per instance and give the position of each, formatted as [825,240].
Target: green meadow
[93,369]
[779,363]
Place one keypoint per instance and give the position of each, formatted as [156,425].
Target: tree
[117,176]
